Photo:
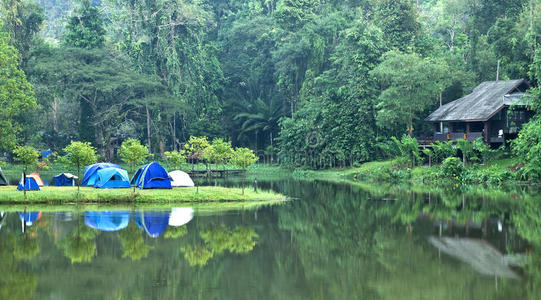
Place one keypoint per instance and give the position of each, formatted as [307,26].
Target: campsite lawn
[88,195]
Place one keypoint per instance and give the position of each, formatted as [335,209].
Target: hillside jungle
[308,84]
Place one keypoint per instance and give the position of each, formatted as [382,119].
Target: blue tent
[64,179]
[107,220]
[154,223]
[151,176]
[46,153]
[30,217]
[112,178]
[31,184]
[91,171]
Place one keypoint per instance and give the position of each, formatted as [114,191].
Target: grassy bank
[496,172]
[64,195]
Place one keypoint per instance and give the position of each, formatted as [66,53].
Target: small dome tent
[65,179]
[154,223]
[107,220]
[151,176]
[30,185]
[91,171]
[37,178]
[112,178]
[3,179]
[180,179]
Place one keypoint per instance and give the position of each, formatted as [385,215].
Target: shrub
[443,150]
[452,167]
[409,149]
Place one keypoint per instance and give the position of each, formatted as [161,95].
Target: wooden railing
[453,136]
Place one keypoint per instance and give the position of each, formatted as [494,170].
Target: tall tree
[85,27]
[409,87]
[398,20]
[16,95]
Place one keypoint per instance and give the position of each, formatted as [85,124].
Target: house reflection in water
[479,254]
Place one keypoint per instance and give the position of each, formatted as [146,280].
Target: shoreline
[89,196]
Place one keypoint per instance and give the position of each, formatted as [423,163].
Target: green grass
[64,195]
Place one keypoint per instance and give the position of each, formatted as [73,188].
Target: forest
[293,79]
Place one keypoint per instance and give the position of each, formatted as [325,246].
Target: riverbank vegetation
[70,195]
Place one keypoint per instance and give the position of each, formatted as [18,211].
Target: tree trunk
[78,179]
[174,131]
[161,144]
[148,130]
[24,183]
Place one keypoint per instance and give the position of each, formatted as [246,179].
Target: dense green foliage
[311,83]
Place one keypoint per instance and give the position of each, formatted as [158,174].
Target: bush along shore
[87,195]
[446,163]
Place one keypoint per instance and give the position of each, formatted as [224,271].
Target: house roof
[483,103]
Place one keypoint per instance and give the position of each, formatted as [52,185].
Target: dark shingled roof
[484,102]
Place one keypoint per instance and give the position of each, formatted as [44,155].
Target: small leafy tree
[132,152]
[243,158]
[209,156]
[28,157]
[195,146]
[175,158]
[223,151]
[80,154]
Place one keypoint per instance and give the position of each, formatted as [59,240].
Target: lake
[333,241]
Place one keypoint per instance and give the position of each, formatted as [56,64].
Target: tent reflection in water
[180,179]
[107,220]
[180,216]
[3,179]
[28,218]
[65,179]
[91,172]
[151,176]
[154,223]
[31,184]
[112,178]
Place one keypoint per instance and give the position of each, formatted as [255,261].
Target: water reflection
[154,223]
[107,220]
[340,241]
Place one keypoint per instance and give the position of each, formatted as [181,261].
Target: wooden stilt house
[495,111]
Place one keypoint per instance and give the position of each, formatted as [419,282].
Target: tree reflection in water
[341,241]
[80,245]
[133,243]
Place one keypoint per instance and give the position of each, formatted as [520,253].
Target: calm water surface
[337,241]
